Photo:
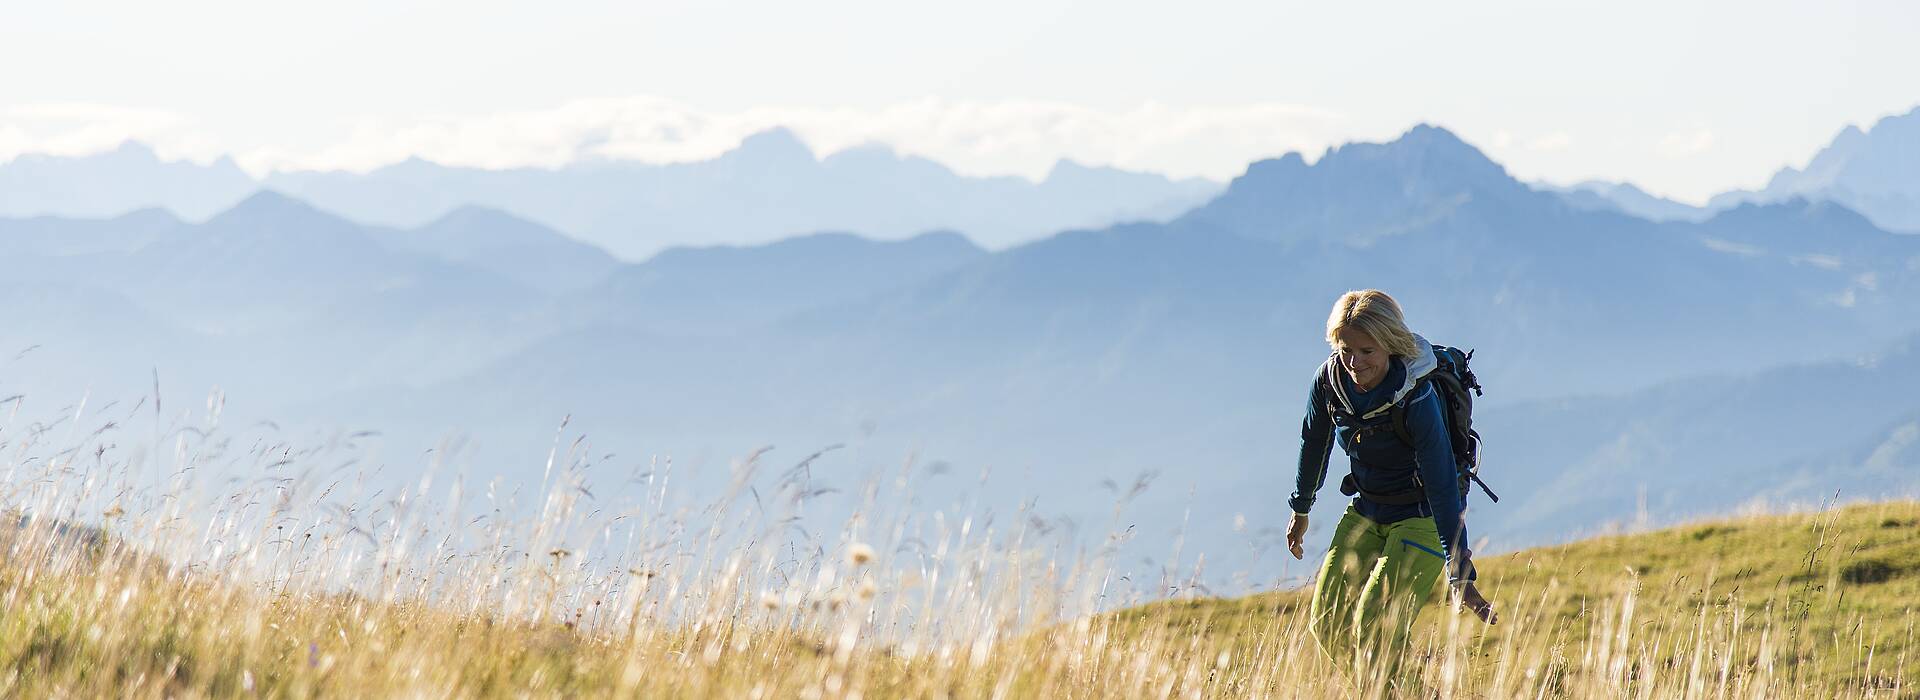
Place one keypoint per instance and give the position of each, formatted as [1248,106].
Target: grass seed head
[859,554]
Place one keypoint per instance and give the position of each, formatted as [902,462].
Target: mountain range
[1875,172]
[770,187]
[1624,197]
[773,186]
[1620,353]
[126,179]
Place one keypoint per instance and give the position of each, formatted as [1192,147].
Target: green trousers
[1371,587]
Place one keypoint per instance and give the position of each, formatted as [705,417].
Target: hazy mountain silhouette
[285,300]
[770,187]
[1480,256]
[1215,300]
[116,182]
[21,239]
[272,261]
[1875,172]
[1363,193]
[532,255]
[271,298]
[730,288]
[1799,433]
[1624,197]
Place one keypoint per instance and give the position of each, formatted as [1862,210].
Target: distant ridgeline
[1875,172]
[771,186]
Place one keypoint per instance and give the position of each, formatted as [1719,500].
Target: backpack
[1451,380]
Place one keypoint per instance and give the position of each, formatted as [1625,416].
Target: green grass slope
[1808,605]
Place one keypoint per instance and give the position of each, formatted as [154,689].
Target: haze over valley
[1039,346]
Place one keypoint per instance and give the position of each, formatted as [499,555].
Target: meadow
[204,565]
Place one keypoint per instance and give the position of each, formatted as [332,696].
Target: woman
[1404,526]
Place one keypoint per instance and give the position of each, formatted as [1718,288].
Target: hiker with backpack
[1398,406]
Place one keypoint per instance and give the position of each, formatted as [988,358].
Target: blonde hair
[1375,313]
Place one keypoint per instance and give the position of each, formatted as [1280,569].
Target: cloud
[75,129]
[1726,246]
[975,138]
[1680,144]
[1022,137]
[1027,137]
[1551,143]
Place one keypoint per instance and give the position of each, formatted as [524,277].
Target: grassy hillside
[285,592]
[1806,605]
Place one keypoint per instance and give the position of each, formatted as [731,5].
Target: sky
[1682,99]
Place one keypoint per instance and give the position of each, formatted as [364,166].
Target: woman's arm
[1440,477]
[1316,446]
[1433,450]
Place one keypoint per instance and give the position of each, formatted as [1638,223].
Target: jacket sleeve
[1440,477]
[1316,445]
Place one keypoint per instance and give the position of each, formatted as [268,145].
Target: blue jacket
[1380,461]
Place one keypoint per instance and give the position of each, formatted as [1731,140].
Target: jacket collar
[1418,366]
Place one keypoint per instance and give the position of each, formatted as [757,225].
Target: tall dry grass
[206,563]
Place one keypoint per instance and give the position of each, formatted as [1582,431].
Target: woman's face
[1363,358]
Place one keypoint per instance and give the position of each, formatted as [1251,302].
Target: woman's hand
[1471,599]
[1297,535]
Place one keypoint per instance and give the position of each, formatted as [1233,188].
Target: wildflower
[770,601]
[868,588]
[859,554]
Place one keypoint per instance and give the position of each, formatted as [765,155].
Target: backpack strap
[1335,389]
[1399,411]
[1339,403]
